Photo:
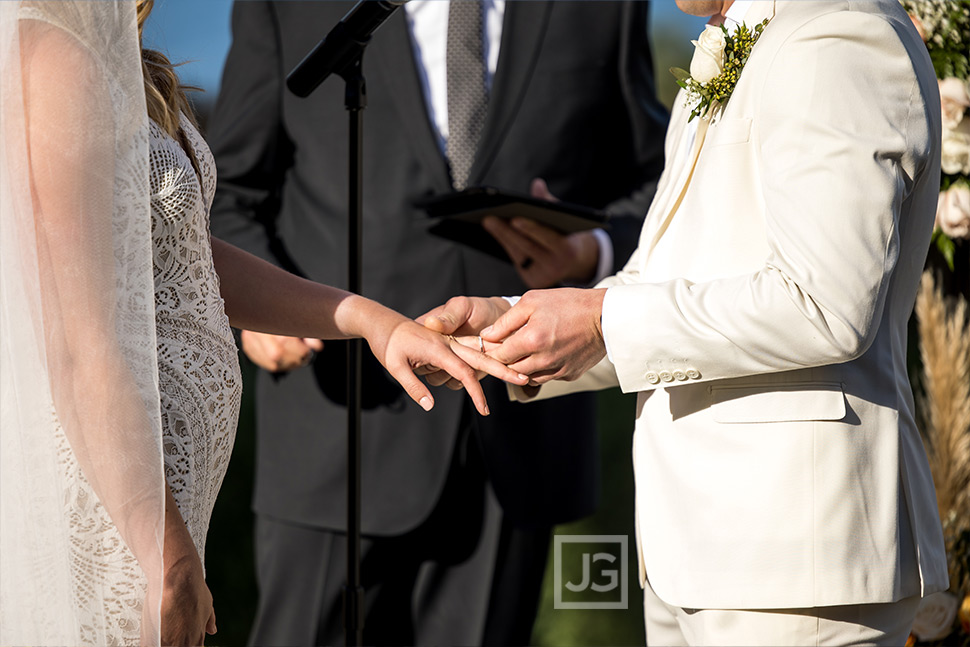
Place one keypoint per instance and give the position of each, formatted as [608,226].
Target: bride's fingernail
[486,331]
[426,403]
[487,412]
[523,377]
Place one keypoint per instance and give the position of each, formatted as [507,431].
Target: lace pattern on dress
[199,374]
[200,388]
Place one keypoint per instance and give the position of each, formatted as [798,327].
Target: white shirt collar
[734,16]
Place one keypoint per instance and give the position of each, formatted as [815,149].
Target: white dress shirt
[428,22]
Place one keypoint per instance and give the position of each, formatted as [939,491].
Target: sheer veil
[81,479]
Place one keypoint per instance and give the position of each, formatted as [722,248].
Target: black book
[458,216]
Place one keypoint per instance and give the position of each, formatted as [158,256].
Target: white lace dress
[200,388]
[198,366]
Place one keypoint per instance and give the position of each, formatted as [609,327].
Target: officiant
[457,510]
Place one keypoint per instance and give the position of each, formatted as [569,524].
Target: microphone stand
[341,53]
[355,100]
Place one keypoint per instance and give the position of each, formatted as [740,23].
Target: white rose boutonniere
[708,57]
[718,59]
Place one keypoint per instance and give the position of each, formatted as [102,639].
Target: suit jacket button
[693,374]
[680,376]
[666,376]
[653,378]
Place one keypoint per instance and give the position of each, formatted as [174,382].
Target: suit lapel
[680,187]
[758,11]
[391,58]
[523,29]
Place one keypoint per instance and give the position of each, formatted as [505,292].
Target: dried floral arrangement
[944,332]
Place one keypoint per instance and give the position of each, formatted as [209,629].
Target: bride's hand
[187,614]
[187,611]
[404,348]
[436,377]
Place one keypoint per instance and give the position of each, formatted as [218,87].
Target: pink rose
[953,211]
[954,99]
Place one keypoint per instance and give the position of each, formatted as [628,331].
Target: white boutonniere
[719,57]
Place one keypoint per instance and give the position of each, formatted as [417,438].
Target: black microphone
[342,45]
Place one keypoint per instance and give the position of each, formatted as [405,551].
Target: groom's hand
[550,334]
[462,317]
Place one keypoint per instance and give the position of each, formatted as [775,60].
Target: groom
[783,495]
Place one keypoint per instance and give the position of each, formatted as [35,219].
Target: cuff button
[652,378]
[693,373]
[680,376]
[666,376]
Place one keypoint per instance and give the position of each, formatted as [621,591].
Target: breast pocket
[791,402]
[730,130]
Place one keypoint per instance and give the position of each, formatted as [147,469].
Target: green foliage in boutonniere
[716,66]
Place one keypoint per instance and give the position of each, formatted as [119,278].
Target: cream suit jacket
[777,460]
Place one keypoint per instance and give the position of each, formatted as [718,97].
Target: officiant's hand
[550,334]
[544,257]
[278,354]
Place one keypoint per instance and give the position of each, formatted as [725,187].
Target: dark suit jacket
[572,101]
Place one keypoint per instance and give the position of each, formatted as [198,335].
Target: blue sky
[197,33]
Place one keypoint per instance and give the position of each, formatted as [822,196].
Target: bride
[119,383]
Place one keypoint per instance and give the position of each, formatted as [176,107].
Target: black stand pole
[355,100]
[341,53]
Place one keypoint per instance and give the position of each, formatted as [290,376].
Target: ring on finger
[481,344]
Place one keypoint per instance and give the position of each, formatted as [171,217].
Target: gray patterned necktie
[467,98]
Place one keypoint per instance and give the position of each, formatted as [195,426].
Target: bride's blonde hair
[164,93]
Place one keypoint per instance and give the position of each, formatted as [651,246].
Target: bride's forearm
[264,298]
